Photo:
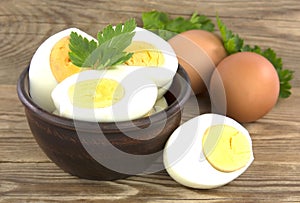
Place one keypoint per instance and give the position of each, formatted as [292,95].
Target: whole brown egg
[198,52]
[246,85]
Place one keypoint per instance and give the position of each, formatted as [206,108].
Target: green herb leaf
[109,32]
[80,49]
[161,24]
[155,20]
[110,53]
[107,51]
[233,44]
[203,22]
[285,76]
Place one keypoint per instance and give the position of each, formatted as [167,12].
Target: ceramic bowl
[106,151]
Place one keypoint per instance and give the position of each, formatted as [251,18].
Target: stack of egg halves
[56,84]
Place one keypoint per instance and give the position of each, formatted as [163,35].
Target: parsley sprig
[166,27]
[233,44]
[107,51]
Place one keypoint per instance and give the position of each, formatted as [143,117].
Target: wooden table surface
[27,175]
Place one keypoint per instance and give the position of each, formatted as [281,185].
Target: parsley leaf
[233,44]
[109,32]
[161,24]
[107,51]
[155,20]
[80,49]
[206,23]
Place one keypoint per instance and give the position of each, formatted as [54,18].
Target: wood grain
[27,175]
[24,25]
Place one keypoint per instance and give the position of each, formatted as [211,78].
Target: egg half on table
[208,151]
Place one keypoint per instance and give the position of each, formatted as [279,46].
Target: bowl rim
[68,123]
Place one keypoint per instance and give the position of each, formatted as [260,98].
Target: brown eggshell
[246,84]
[198,51]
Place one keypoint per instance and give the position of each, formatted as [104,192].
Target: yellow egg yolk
[144,54]
[96,93]
[60,63]
[226,148]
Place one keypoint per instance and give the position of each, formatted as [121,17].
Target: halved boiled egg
[152,52]
[50,65]
[105,96]
[208,151]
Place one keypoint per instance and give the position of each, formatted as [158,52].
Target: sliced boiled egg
[152,52]
[50,65]
[104,96]
[208,151]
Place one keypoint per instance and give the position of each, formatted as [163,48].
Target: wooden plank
[32,182]
[26,170]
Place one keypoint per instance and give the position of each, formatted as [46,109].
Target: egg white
[139,98]
[185,161]
[41,79]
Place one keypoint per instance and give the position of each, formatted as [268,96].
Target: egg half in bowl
[154,53]
[105,96]
[50,65]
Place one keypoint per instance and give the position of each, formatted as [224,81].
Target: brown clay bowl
[106,151]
